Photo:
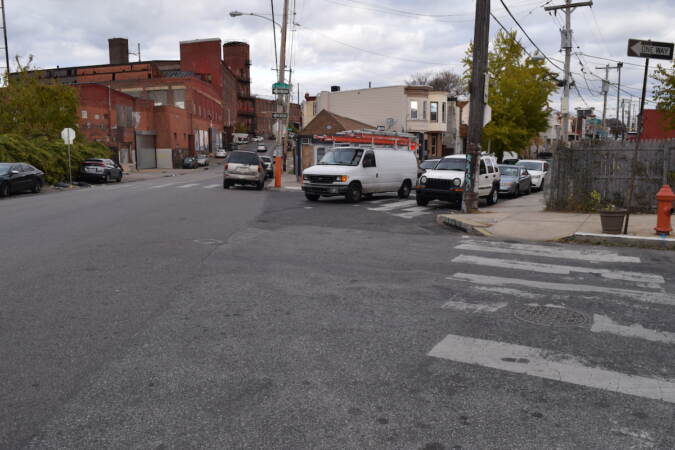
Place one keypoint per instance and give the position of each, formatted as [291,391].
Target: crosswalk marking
[159,186]
[603,324]
[546,364]
[211,186]
[188,185]
[661,298]
[636,277]
[412,212]
[474,307]
[594,256]
[395,205]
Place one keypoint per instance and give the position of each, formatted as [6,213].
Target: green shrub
[50,156]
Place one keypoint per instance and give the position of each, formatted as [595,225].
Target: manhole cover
[549,315]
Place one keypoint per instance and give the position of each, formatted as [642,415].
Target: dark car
[515,180]
[100,169]
[19,177]
[190,162]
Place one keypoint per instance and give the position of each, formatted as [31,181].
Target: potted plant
[611,217]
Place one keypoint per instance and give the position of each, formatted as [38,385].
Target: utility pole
[566,41]
[280,141]
[605,90]
[619,65]
[481,39]
[4,33]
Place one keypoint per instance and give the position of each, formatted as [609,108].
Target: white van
[240,138]
[355,171]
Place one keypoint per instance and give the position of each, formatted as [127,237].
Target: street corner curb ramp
[463,224]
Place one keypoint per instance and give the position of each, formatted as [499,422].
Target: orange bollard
[665,197]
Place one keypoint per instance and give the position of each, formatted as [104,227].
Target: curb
[468,226]
[660,242]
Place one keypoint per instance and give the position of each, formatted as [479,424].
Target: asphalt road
[174,314]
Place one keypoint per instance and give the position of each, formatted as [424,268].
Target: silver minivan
[243,168]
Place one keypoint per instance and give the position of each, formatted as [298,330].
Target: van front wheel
[404,191]
[354,193]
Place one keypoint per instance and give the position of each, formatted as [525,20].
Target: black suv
[100,169]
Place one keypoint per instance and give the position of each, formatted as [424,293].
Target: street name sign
[280,115]
[650,49]
[281,88]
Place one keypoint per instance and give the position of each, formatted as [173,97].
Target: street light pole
[281,141]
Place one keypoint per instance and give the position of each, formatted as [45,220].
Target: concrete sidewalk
[151,174]
[288,183]
[525,218]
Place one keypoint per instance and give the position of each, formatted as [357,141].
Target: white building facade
[410,109]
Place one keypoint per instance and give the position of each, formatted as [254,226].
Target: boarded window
[179,98]
[160,97]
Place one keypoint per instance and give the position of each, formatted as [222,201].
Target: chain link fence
[605,167]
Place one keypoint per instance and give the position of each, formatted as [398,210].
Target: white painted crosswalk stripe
[661,298]
[603,324]
[635,277]
[474,307]
[594,256]
[159,186]
[395,205]
[211,186]
[187,185]
[410,213]
[546,364]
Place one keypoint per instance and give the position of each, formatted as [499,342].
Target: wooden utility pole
[280,142]
[566,40]
[481,39]
[4,33]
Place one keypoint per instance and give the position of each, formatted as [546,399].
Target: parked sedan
[515,180]
[261,148]
[19,177]
[221,153]
[202,160]
[538,171]
[100,169]
[190,162]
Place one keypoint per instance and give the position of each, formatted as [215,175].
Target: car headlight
[423,180]
[456,182]
[341,178]
[305,177]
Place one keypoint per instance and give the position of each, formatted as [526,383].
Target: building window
[413,109]
[443,108]
[179,98]
[160,97]
[84,114]
[433,113]
[424,110]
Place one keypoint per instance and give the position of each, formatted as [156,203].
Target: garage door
[145,152]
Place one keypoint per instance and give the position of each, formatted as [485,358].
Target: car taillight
[225,166]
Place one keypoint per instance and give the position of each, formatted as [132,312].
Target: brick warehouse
[153,113]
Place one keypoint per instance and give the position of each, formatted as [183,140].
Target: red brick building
[264,123]
[657,126]
[154,113]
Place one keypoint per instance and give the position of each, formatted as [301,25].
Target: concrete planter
[612,221]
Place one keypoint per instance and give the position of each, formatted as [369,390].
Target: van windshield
[342,157]
[452,164]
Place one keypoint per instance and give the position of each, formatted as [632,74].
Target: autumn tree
[518,94]
[31,105]
[664,92]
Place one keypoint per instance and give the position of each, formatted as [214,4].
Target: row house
[418,110]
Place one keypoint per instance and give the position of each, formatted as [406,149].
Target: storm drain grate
[551,316]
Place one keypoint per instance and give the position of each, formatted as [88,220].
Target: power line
[528,36]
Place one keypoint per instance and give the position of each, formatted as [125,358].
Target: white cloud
[75,32]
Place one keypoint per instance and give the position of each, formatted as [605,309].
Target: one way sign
[650,49]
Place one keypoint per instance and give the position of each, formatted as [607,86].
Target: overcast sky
[340,42]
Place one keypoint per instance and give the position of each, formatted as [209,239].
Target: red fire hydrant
[665,197]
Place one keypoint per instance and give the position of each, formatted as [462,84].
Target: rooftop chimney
[119,50]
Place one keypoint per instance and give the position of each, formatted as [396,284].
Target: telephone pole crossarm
[571,5]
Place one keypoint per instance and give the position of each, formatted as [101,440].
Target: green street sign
[280,86]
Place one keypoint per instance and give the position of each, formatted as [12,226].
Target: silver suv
[244,168]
